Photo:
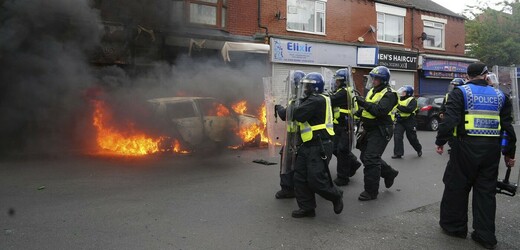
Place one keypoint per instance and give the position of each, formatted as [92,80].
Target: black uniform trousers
[409,126]
[312,177]
[371,152]
[347,162]
[473,165]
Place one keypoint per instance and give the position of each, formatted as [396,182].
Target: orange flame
[240,107]
[249,133]
[177,148]
[222,110]
[130,143]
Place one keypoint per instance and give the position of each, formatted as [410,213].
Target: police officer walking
[341,100]
[288,153]
[378,126]
[311,176]
[480,113]
[405,122]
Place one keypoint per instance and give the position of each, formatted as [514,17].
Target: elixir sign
[312,53]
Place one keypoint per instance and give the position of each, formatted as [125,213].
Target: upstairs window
[208,12]
[306,16]
[390,23]
[434,29]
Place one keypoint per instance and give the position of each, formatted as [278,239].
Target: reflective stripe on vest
[375,99]
[338,111]
[482,106]
[292,126]
[405,103]
[306,129]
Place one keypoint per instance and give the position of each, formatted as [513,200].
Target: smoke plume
[47,72]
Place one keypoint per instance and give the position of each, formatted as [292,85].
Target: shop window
[306,16]
[390,23]
[434,35]
[208,12]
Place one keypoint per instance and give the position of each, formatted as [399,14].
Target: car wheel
[434,124]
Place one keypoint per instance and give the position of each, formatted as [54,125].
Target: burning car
[196,121]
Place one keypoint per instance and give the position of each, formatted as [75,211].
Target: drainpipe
[260,23]
[413,24]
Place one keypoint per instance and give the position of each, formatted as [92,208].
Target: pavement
[222,201]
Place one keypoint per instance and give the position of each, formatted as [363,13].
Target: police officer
[454,83]
[311,176]
[375,115]
[347,162]
[405,122]
[480,113]
[286,160]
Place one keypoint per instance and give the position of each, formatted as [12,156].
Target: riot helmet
[405,91]
[455,82]
[380,74]
[297,77]
[313,83]
[341,78]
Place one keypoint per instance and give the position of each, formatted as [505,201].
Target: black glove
[360,101]
[276,107]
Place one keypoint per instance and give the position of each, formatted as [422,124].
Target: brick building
[421,42]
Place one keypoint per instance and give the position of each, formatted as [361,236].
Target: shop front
[325,58]
[402,64]
[437,71]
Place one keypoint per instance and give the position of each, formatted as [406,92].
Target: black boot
[300,213]
[486,245]
[354,168]
[338,203]
[284,194]
[366,196]
[341,181]
[389,180]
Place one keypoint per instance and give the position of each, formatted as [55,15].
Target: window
[390,23]
[434,29]
[306,16]
[390,28]
[208,12]
[180,110]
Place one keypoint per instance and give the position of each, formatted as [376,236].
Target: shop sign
[443,75]
[445,65]
[397,59]
[302,52]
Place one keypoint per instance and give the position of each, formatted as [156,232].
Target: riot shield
[514,96]
[351,123]
[275,130]
[328,77]
[294,94]
[508,83]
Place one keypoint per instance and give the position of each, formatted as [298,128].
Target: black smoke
[49,72]
[43,46]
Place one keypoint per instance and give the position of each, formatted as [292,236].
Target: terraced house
[420,41]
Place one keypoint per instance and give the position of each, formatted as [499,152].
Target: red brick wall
[242,17]
[454,34]
[346,21]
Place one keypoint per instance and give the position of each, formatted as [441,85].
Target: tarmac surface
[224,201]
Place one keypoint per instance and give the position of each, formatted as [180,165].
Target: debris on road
[260,161]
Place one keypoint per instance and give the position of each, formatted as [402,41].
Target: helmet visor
[492,80]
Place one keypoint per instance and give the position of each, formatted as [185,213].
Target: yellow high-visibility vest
[375,99]
[306,129]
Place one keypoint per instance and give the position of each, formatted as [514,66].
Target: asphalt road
[224,201]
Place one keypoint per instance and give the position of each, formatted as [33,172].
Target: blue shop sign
[444,65]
